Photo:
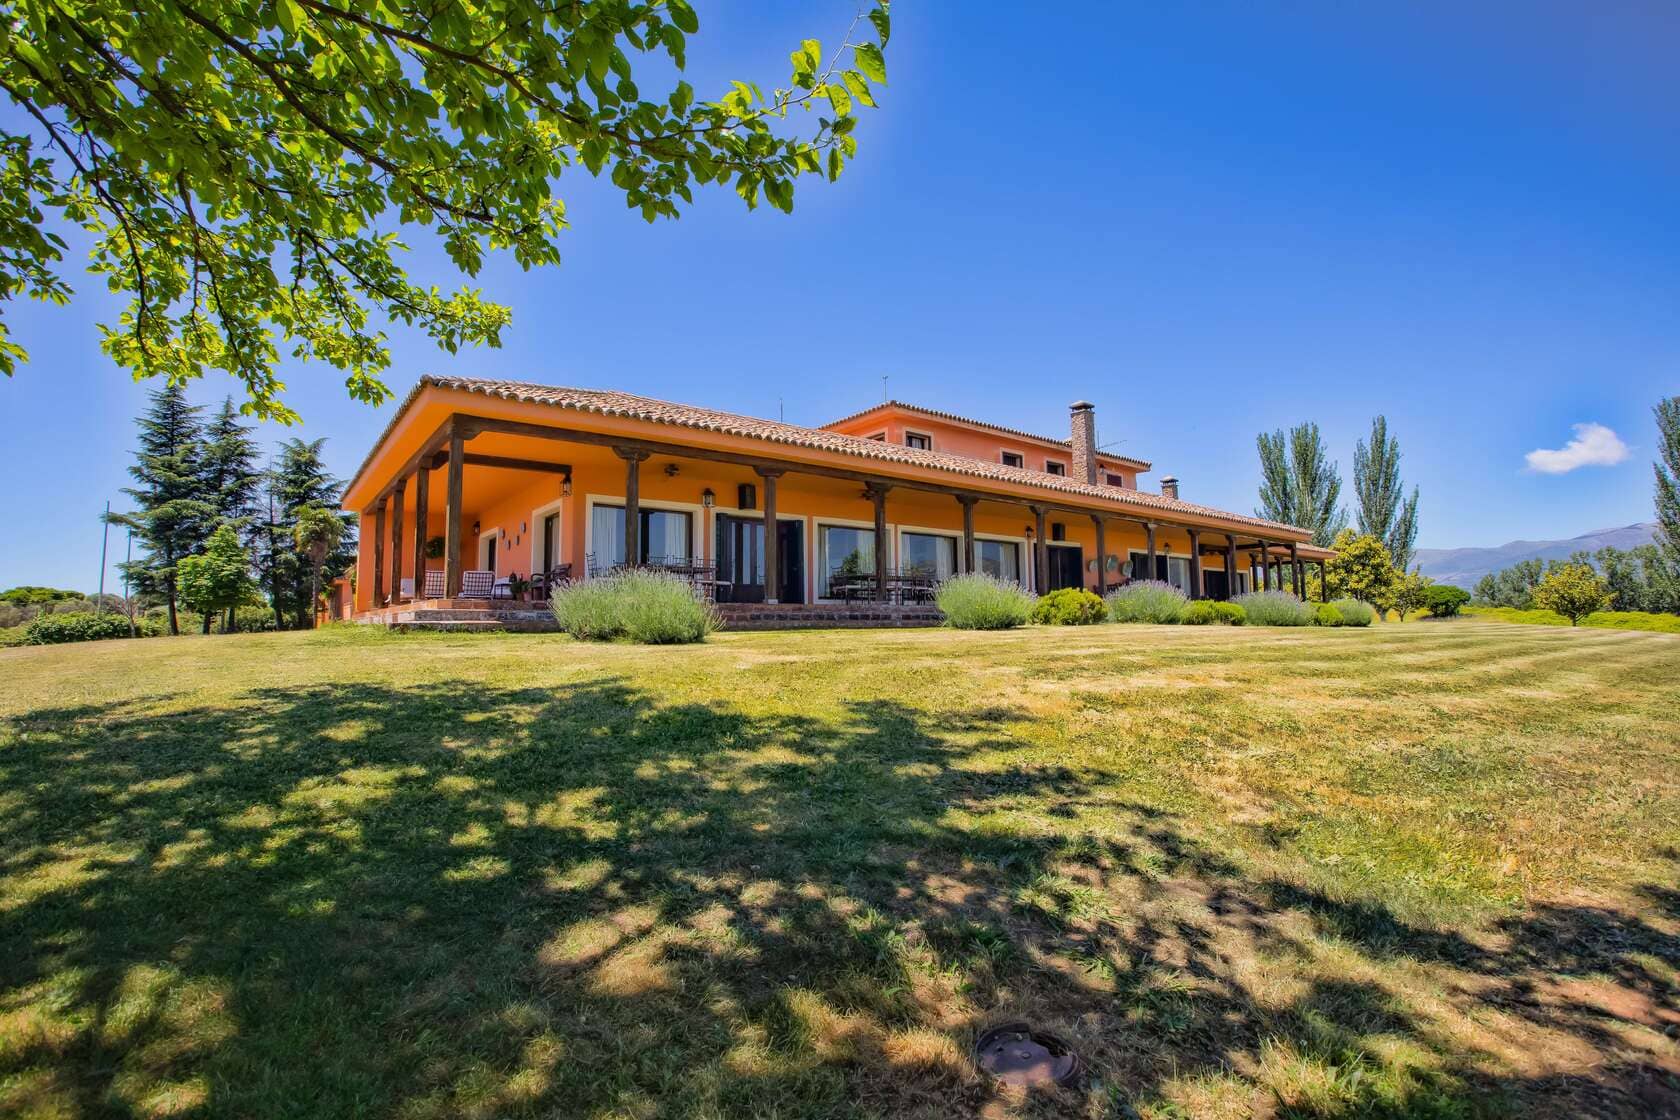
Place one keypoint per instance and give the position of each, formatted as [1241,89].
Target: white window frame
[1048,462]
[819,561]
[484,537]
[558,506]
[922,435]
[696,523]
[1023,556]
[928,531]
[1021,455]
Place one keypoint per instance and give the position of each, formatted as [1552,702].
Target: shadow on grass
[455,901]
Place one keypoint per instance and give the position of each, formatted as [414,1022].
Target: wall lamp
[707,498]
[566,486]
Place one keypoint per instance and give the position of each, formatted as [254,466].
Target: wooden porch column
[397,541]
[1102,553]
[1149,537]
[967,502]
[878,494]
[1295,575]
[1041,553]
[422,494]
[1254,572]
[632,503]
[1195,564]
[772,559]
[1265,566]
[452,519]
[379,554]
[1230,565]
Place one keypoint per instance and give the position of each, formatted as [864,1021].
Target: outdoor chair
[434,584]
[477,584]
[405,589]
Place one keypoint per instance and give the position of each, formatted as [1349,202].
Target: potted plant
[518,585]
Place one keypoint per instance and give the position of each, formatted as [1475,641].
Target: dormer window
[1053,467]
[1013,459]
[918,440]
[1117,480]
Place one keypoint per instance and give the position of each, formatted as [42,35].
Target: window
[999,559]
[1117,480]
[1168,569]
[664,533]
[845,552]
[1013,459]
[1053,467]
[929,554]
[879,437]
[917,439]
[1058,531]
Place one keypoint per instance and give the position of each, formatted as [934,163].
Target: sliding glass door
[665,535]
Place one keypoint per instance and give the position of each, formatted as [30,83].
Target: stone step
[474,625]
[457,614]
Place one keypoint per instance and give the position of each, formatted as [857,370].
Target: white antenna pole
[884,396]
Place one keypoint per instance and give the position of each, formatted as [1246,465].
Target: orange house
[478,481]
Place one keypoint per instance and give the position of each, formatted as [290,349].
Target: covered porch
[488,512]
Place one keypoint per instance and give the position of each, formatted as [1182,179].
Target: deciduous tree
[1572,590]
[244,167]
[217,579]
[1667,471]
[1379,506]
[1362,569]
[1299,485]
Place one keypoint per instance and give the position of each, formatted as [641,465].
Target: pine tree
[231,477]
[173,517]
[1299,484]
[1378,492]
[299,480]
[1667,471]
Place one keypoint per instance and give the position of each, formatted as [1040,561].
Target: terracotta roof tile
[607,402]
[1140,464]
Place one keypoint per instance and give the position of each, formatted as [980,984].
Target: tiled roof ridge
[612,402]
[1141,464]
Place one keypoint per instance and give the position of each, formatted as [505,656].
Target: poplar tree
[1299,485]
[1667,471]
[172,517]
[1381,509]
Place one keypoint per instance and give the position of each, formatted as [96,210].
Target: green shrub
[1353,612]
[51,629]
[1443,600]
[1148,600]
[1274,608]
[252,620]
[1200,613]
[982,602]
[1326,615]
[1212,612]
[1070,606]
[649,607]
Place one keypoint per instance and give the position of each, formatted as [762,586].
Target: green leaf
[835,163]
[780,194]
[290,14]
[681,98]
[869,60]
[683,16]
[859,87]
[812,50]
[594,152]
[882,22]
[839,98]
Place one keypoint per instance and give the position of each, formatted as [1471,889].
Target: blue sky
[1208,219]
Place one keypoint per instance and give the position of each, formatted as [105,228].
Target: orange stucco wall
[510,503]
[977,443]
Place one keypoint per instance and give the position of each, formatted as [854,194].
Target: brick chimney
[1169,487]
[1084,439]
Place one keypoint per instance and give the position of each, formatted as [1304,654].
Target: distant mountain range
[1464,566]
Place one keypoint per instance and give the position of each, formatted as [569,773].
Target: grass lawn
[1412,871]
[1614,620]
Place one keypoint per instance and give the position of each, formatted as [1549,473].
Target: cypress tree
[300,480]
[231,478]
[173,516]
[1377,489]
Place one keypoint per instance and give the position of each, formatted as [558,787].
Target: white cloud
[1594,445]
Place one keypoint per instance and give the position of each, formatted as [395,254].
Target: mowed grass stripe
[1418,870]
